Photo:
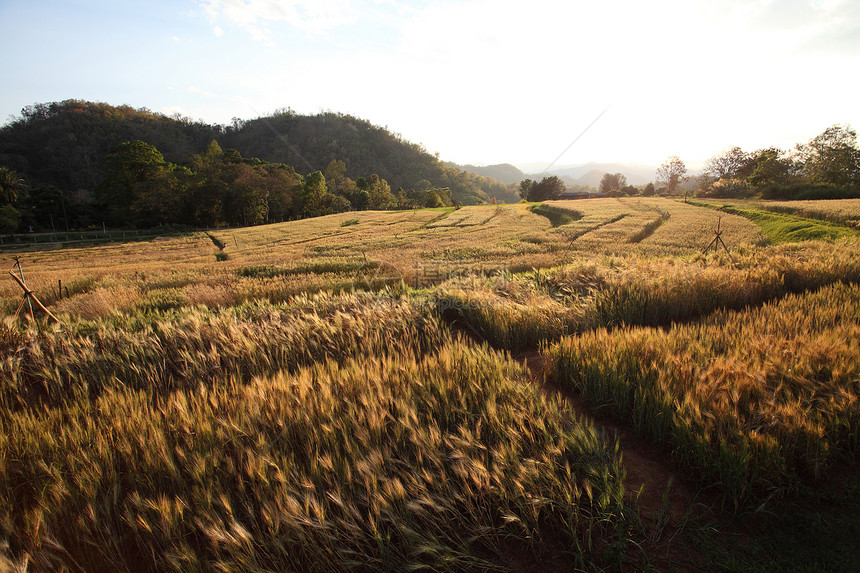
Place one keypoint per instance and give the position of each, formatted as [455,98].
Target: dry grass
[441,460]
[257,413]
[160,352]
[751,401]
[842,211]
[609,225]
[517,312]
[421,248]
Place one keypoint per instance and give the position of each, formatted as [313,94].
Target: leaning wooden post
[29,296]
[23,286]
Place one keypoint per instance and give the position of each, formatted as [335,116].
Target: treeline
[61,168]
[826,167]
[140,188]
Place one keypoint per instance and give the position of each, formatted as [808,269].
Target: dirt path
[662,497]
[647,468]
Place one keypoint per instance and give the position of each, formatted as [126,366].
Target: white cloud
[492,81]
[218,31]
[256,17]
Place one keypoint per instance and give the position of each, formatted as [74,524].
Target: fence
[65,238]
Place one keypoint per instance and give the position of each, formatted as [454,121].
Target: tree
[11,184]
[612,184]
[649,190]
[404,201]
[128,165]
[213,153]
[671,173]
[770,167]
[831,157]
[335,173]
[314,193]
[548,188]
[160,200]
[317,200]
[379,193]
[731,163]
[10,218]
[360,199]
[134,162]
[432,200]
[526,189]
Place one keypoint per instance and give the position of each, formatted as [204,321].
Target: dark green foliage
[311,143]
[64,145]
[803,191]
[827,167]
[770,167]
[832,158]
[547,188]
[316,200]
[10,219]
[11,184]
[134,170]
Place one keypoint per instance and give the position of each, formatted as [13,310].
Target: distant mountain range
[504,172]
[588,174]
[592,173]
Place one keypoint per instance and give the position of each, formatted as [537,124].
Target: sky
[476,81]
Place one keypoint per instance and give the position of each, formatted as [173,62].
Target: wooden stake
[21,282]
[29,296]
[718,240]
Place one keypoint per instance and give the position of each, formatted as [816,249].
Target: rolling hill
[63,144]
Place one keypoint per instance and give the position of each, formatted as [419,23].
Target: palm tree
[10,184]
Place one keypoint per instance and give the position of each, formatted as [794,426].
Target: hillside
[310,143]
[63,144]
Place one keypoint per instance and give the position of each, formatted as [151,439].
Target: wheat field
[296,396]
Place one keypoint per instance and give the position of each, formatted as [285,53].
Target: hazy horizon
[477,82]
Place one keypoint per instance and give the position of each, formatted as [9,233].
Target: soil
[664,499]
[675,512]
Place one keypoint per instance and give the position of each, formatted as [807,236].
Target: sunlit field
[347,392]
[364,249]
[754,400]
[844,211]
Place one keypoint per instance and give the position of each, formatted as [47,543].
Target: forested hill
[64,144]
[310,143]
